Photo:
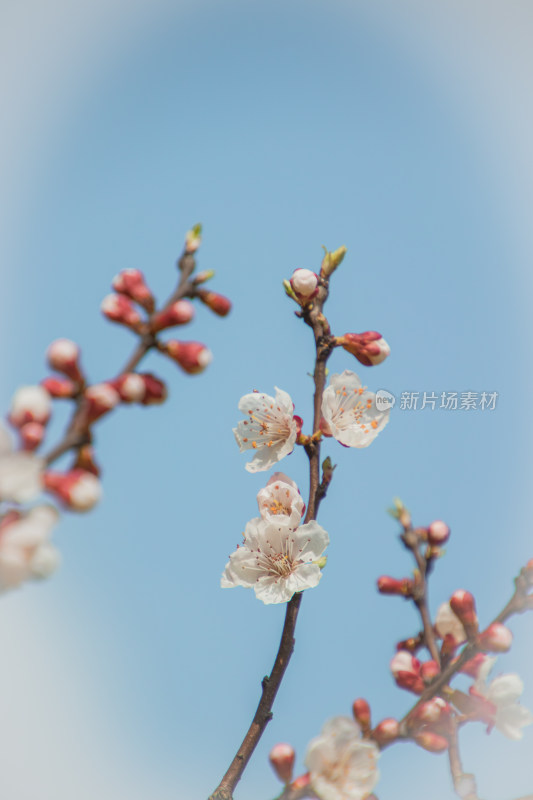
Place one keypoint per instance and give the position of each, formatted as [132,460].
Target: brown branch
[313,317]
[77,433]
[411,540]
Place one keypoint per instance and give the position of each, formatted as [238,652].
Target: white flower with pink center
[501,698]
[25,549]
[20,473]
[269,428]
[276,560]
[349,411]
[281,500]
[342,765]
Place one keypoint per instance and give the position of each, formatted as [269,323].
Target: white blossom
[446,622]
[281,500]
[30,404]
[25,549]
[276,560]
[342,765]
[349,411]
[20,473]
[502,695]
[269,429]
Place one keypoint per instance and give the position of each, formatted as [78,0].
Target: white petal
[45,561]
[505,689]
[512,719]
[5,442]
[13,568]
[20,477]
[312,539]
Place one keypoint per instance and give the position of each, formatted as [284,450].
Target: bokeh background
[402,130]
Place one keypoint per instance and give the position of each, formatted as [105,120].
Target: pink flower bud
[434,710]
[130,282]
[31,435]
[63,356]
[304,284]
[496,638]
[118,308]
[179,313]
[369,348]
[361,713]
[438,533]
[429,670]
[59,387]
[473,666]
[131,387]
[430,741]
[30,404]
[281,758]
[216,302]
[388,585]
[386,731]
[78,490]
[100,398]
[406,670]
[192,357]
[463,606]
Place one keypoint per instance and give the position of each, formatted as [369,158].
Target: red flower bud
[59,387]
[155,390]
[63,356]
[130,282]
[388,585]
[77,489]
[406,670]
[438,533]
[118,308]
[463,606]
[216,302]
[386,731]
[434,710]
[99,399]
[281,758]
[370,348]
[496,638]
[192,357]
[430,741]
[179,313]
[361,712]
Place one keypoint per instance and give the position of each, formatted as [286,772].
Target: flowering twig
[77,433]
[313,317]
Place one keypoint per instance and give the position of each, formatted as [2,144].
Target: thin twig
[420,592]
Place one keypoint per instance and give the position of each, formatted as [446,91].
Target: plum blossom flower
[270,428]
[280,500]
[447,623]
[20,473]
[500,700]
[342,765]
[25,549]
[276,560]
[349,411]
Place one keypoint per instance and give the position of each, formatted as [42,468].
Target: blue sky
[282,128]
